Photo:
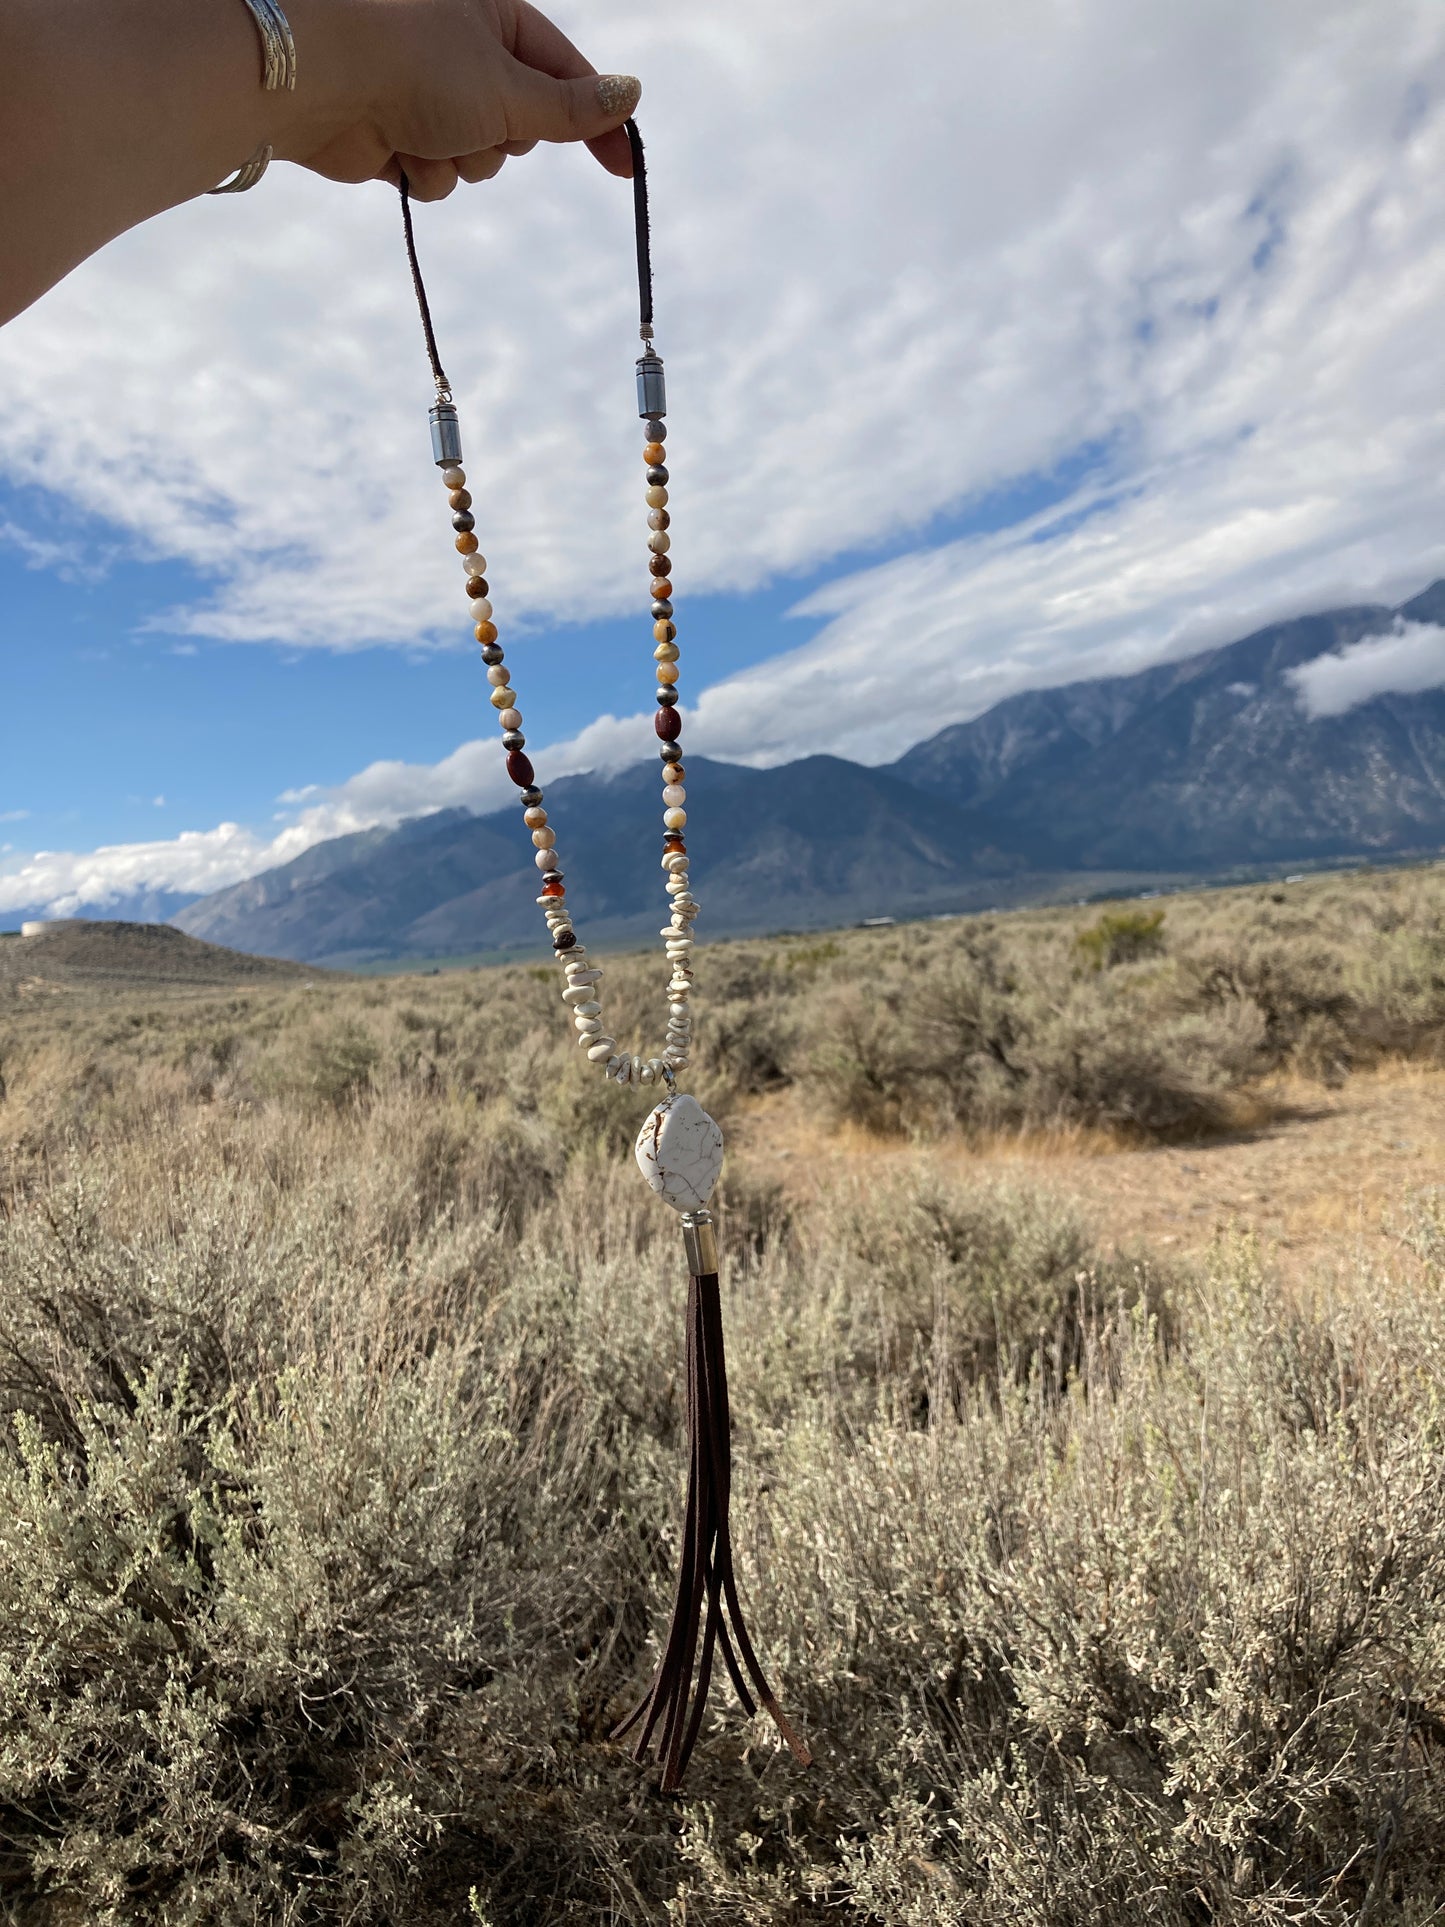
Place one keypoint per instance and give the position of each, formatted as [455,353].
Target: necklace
[679,1149]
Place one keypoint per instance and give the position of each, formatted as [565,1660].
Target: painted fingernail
[618,93]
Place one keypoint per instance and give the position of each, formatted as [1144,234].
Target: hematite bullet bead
[531,797]
[463,520]
[662,611]
[655,430]
[657,476]
[651,387]
[513,739]
[667,697]
[446,435]
[492,654]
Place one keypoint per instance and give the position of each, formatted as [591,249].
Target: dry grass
[339,1348]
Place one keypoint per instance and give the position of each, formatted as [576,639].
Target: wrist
[335,55]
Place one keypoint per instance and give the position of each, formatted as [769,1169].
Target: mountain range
[1184,770]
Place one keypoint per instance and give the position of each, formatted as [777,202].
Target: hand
[442,89]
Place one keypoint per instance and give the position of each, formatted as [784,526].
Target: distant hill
[814,843]
[1187,769]
[80,952]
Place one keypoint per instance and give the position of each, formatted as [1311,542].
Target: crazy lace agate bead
[581,977]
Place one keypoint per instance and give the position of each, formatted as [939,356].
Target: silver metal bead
[446,435]
[651,387]
[699,1240]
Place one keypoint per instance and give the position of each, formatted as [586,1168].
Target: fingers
[541,44]
[427,180]
[483,166]
[585,107]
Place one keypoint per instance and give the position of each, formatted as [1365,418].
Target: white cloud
[13,816]
[1409,659]
[65,882]
[904,259]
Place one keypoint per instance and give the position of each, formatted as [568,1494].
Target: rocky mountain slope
[1186,769]
[1207,763]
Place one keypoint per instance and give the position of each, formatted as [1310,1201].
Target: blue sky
[1117,335]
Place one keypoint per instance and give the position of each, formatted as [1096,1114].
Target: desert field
[1085,1297]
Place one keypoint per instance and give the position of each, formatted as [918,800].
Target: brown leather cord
[641,222]
[706,1600]
[423,305]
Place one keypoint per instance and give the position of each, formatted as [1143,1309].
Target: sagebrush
[340,1358]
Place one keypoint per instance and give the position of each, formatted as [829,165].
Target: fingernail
[618,93]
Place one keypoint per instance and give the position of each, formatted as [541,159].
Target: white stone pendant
[680,1152]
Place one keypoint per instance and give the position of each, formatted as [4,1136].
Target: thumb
[540,108]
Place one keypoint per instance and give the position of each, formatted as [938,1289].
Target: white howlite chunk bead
[680,1150]
[589,1026]
[602,1049]
[590,1009]
[580,977]
[577,995]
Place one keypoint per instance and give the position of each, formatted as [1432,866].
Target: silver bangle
[278,73]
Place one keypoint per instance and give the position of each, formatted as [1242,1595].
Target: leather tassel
[706,1604]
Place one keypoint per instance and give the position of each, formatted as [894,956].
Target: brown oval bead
[652,455]
[486,632]
[476,586]
[460,498]
[668,724]
[519,768]
[659,565]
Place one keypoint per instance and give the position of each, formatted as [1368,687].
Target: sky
[1005,346]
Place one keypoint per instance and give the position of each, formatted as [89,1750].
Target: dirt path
[1319,1183]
